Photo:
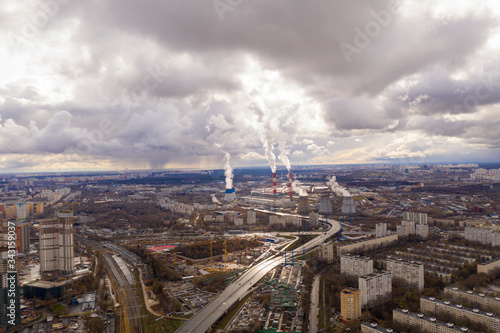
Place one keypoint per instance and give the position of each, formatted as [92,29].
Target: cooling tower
[325,206]
[348,206]
[230,195]
[303,207]
[348,209]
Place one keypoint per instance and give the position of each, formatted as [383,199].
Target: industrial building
[43,289]
[350,303]
[230,195]
[410,271]
[421,323]
[356,265]
[459,313]
[56,245]
[303,207]
[375,288]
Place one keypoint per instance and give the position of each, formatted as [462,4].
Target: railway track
[131,302]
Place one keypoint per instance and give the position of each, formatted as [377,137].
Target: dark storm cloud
[162,81]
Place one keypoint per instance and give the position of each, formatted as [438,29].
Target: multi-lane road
[313,308]
[204,319]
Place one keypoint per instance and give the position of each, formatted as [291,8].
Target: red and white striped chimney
[290,185]
[274,183]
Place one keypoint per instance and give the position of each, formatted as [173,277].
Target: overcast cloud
[111,84]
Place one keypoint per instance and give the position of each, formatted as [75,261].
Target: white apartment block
[422,231]
[432,306]
[356,265]
[410,225]
[410,271]
[274,219]
[374,328]
[375,288]
[421,323]
[252,216]
[418,218]
[381,230]
[487,235]
[325,252]
[478,300]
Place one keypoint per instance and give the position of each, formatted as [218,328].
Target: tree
[96,325]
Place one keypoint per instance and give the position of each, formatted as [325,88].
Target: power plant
[325,206]
[348,209]
[303,207]
[230,195]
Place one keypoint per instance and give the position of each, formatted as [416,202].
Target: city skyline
[106,85]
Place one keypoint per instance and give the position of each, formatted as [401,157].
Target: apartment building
[374,328]
[251,216]
[325,252]
[488,266]
[381,230]
[355,265]
[56,245]
[418,218]
[366,245]
[421,323]
[375,288]
[459,313]
[411,272]
[488,235]
[350,303]
[422,231]
[474,299]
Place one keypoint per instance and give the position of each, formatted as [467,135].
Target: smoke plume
[298,189]
[228,171]
[268,147]
[339,190]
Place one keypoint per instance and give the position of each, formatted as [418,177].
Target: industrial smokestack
[274,183]
[290,189]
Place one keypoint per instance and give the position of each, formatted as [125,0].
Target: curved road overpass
[204,319]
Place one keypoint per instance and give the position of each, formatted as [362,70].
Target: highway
[204,319]
[313,308]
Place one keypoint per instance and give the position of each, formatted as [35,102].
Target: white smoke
[339,190]
[283,156]
[271,158]
[228,171]
[298,189]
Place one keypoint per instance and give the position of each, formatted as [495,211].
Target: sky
[129,84]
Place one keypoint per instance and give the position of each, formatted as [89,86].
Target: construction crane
[73,206]
[211,256]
